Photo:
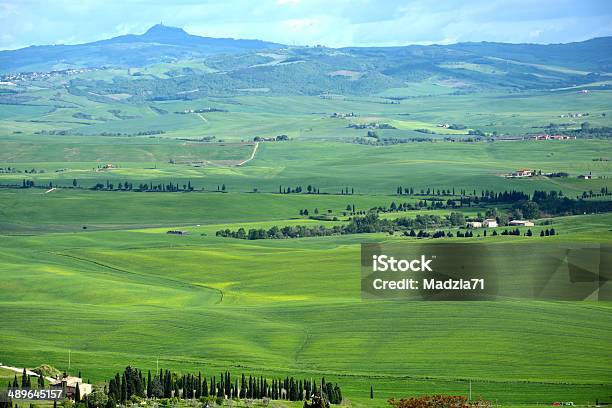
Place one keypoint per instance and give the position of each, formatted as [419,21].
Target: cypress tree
[242,393]
[168,384]
[184,386]
[124,395]
[372,388]
[149,385]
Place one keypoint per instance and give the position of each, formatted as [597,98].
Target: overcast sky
[307,22]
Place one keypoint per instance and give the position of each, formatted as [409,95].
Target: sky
[334,23]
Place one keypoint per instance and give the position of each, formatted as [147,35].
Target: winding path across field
[20,370]
[252,155]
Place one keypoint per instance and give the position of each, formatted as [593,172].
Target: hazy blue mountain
[167,44]
[159,44]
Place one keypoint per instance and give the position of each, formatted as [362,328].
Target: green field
[94,272]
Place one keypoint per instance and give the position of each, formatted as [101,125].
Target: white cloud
[535,33]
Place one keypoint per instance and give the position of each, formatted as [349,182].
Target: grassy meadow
[95,272]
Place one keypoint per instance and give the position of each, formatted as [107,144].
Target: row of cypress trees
[166,384]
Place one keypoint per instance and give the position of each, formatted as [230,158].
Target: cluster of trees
[560,174]
[131,385]
[127,186]
[545,233]
[14,170]
[470,233]
[588,132]
[488,196]
[433,203]
[310,189]
[275,232]
[435,234]
[371,125]
[431,220]
[368,223]
[553,203]
[476,137]
[406,190]
[316,215]
[26,381]
[603,192]
[122,387]
[279,138]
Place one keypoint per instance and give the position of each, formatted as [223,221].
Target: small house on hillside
[522,173]
[70,384]
[473,224]
[521,223]
[586,176]
[490,223]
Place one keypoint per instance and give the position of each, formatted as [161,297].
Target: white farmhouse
[521,223]
[490,223]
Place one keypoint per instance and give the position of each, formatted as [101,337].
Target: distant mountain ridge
[159,43]
[162,43]
[225,66]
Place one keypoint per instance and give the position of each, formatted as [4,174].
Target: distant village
[199,110]
[541,136]
[8,79]
[523,173]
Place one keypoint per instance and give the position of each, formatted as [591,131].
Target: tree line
[368,223]
[132,385]
[603,192]
[371,223]
[127,186]
[554,204]
[310,189]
